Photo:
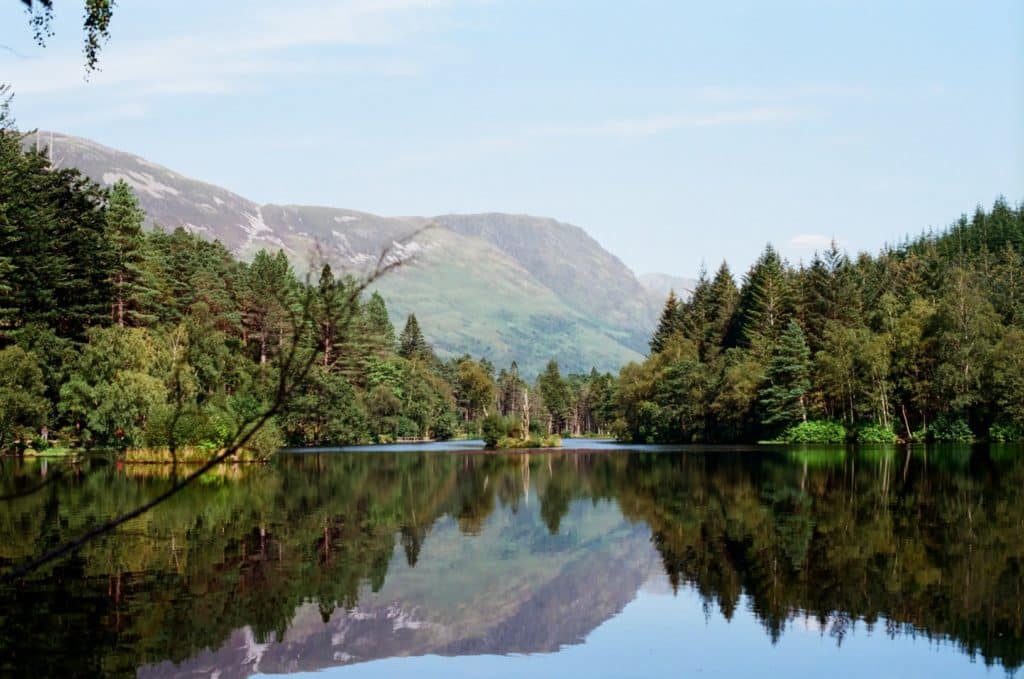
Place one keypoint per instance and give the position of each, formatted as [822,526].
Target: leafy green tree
[474,388]
[1008,375]
[112,394]
[327,411]
[967,329]
[23,404]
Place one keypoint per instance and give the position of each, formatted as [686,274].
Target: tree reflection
[927,540]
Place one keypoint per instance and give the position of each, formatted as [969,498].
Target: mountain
[659,284]
[505,287]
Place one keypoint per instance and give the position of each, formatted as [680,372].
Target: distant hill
[506,287]
[659,284]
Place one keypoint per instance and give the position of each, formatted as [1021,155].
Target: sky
[678,134]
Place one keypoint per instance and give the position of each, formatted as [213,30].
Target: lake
[599,560]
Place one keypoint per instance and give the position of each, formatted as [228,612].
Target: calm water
[715,561]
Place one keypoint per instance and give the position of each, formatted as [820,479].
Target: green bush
[873,433]
[950,431]
[406,427]
[815,431]
[1005,433]
[496,429]
[492,429]
[510,443]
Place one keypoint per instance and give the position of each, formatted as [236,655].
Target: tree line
[924,341]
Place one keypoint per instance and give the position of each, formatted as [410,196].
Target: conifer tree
[696,312]
[54,260]
[379,329]
[411,343]
[555,393]
[784,396]
[269,283]
[669,324]
[766,303]
[131,279]
[722,299]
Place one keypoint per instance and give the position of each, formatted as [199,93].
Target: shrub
[509,443]
[497,431]
[815,431]
[406,427]
[492,430]
[950,431]
[1005,433]
[873,433]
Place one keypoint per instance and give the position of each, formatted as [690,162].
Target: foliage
[162,340]
[950,430]
[787,379]
[514,442]
[495,428]
[924,337]
[815,431]
[23,404]
[1005,433]
[873,433]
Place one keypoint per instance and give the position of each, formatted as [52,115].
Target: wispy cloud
[626,129]
[811,241]
[648,125]
[265,42]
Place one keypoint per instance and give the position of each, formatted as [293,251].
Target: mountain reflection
[334,559]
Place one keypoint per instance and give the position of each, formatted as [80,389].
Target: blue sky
[674,132]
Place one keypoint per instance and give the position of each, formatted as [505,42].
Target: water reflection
[338,559]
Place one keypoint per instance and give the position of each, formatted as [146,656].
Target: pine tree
[555,393]
[669,324]
[380,332]
[132,280]
[766,303]
[411,343]
[784,397]
[696,312]
[54,260]
[269,284]
[330,304]
[722,299]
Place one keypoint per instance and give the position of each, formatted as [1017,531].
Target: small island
[512,433]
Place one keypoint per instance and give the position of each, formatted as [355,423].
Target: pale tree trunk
[526,413]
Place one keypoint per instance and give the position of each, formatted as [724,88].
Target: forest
[115,336]
[924,342]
